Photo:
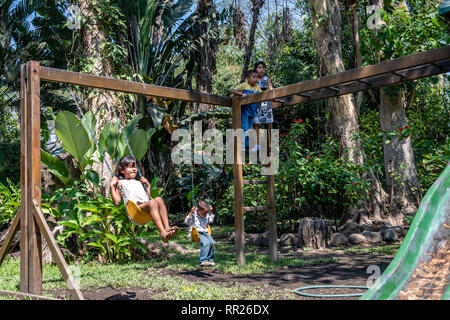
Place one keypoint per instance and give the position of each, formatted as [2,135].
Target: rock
[47,256]
[338,239]
[384,225]
[314,233]
[253,239]
[372,237]
[288,240]
[389,235]
[349,228]
[265,239]
[232,236]
[366,228]
[356,238]
[57,231]
[400,231]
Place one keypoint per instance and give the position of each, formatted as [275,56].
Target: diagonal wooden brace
[10,235]
[56,253]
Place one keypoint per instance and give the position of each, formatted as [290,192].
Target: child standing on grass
[134,191]
[250,86]
[200,217]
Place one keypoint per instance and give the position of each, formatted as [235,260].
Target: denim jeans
[207,249]
[247,117]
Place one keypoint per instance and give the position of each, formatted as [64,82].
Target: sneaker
[204,264]
[212,264]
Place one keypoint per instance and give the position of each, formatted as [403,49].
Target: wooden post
[271,205]
[30,242]
[238,184]
[23,180]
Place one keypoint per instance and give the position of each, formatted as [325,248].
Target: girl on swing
[134,191]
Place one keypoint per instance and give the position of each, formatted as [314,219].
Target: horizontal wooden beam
[254,181]
[379,82]
[255,208]
[7,293]
[359,74]
[88,80]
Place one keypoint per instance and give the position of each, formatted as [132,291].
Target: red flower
[295,139]
[355,183]
[283,134]
[400,129]
[407,127]
[297,121]
[300,121]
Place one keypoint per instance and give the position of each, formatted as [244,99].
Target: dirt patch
[350,269]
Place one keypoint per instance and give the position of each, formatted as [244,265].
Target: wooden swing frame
[30,218]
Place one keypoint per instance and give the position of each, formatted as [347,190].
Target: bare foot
[165,236]
[171,234]
[175,229]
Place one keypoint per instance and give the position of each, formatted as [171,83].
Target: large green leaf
[138,144]
[89,122]
[131,125]
[74,137]
[114,143]
[92,176]
[55,166]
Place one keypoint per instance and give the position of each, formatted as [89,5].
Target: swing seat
[194,234]
[137,215]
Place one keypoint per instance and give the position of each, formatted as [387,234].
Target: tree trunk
[399,164]
[92,37]
[354,22]
[314,233]
[257,5]
[343,121]
[207,55]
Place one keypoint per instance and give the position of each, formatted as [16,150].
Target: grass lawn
[161,276]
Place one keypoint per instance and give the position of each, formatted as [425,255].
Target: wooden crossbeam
[88,80]
[254,181]
[389,79]
[255,208]
[359,74]
[7,293]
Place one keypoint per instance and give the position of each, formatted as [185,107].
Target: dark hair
[257,63]
[123,163]
[248,73]
[203,204]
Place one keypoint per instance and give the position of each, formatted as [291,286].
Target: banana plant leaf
[73,135]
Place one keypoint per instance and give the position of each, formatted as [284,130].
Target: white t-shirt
[198,222]
[134,191]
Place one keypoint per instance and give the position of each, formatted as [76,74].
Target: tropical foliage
[159,42]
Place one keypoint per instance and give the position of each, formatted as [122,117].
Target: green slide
[424,247]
